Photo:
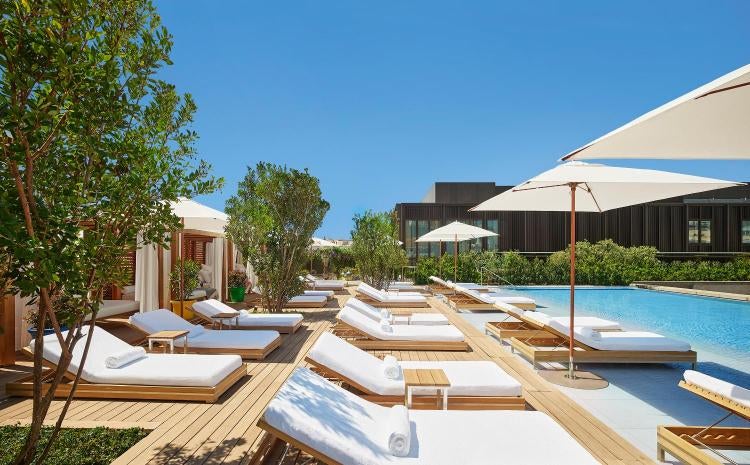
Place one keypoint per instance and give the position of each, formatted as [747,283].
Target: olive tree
[272,218]
[94,147]
[376,249]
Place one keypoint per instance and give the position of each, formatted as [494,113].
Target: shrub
[189,279]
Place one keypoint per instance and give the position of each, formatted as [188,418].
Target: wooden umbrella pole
[182,270]
[571,344]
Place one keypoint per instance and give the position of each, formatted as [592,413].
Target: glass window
[746,231]
[434,246]
[409,236]
[422,229]
[693,232]
[705,231]
[476,244]
[492,243]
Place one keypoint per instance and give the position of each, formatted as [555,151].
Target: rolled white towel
[391,368]
[244,312]
[385,325]
[398,431]
[123,357]
[589,332]
[385,314]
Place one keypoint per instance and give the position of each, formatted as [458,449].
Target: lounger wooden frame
[425,402]
[86,390]
[678,440]
[274,442]
[553,349]
[279,328]
[380,304]
[365,341]
[464,300]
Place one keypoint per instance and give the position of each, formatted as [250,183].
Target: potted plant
[236,282]
[66,308]
[190,269]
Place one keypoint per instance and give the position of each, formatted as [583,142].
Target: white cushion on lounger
[468,378]
[326,294]
[510,309]
[723,388]
[562,322]
[349,430]
[163,320]
[510,299]
[439,281]
[416,318]
[298,299]
[115,307]
[212,307]
[154,369]
[385,297]
[628,340]
[484,298]
[433,333]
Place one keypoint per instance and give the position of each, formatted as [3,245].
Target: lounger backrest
[212,307]
[437,280]
[103,344]
[720,387]
[476,295]
[364,308]
[349,361]
[538,317]
[370,291]
[359,321]
[160,320]
[510,309]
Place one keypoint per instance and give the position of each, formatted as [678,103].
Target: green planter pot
[237,294]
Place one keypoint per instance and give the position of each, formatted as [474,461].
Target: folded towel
[589,332]
[391,368]
[398,431]
[244,312]
[123,357]
[385,325]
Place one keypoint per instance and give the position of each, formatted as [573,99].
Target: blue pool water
[718,329]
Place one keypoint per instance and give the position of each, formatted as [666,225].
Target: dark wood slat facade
[705,224]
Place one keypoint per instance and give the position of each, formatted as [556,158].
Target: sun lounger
[474,384]
[407,286]
[286,323]
[439,286]
[178,377]
[400,318]
[248,344]
[368,334]
[378,298]
[324,284]
[602,346]
[470,299]
[110,308]
[531,324]
[327,294]
[337,427]
[307,301]
[692,444]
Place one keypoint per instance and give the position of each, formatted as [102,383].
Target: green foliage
[272,218]
[602,264]
[375,248]
[190,279]
[74,446]
[236,278]
[339,259]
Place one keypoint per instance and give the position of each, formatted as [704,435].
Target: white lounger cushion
[325,282]
[439,281]
[562,322]
[152,370]
[468,378]
[163,320]
[327,294]
[723,388]
[433,333]
[510,299]
[415,319]
[348,429]
[212,307]
[625,340]
[115,307]
[298,299]
[381,296]
[484,298]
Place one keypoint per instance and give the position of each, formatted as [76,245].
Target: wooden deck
[225,432]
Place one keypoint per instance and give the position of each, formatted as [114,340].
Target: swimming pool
[718,329]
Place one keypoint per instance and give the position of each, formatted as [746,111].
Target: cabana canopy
[711,122]
[200,217]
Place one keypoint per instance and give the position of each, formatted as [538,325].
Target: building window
[492,225]
[699,232]
[422,229]
[746,231]
[434,246]
[476,244]
[409,237]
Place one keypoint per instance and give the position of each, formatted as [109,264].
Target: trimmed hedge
[73,446]
[603,263]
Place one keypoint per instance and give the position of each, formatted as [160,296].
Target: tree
[376,249]
[93,149]
[272,218]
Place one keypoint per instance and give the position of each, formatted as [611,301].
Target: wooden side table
[168,337]
[220,317]
[427,378]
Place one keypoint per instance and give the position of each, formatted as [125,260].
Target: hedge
[604,263]
[73,446]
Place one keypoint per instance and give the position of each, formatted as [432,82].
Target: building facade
[712,224]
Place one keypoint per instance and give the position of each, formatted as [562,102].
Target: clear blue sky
[380,99]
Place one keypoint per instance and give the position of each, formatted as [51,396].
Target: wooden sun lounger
[688,444]
[518,329]
[255,295]
[553,348]
[365,341]
[430,402]
[85,390]
[246,354]
[380,304]
[280,329]
[464,300]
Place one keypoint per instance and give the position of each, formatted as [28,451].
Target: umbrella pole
[455,258]
[182,271]
[571,344]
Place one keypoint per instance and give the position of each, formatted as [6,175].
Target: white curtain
[147,277]
[217,259]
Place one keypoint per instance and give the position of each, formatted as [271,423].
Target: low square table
[220,317]
[426,378]
[168,337]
